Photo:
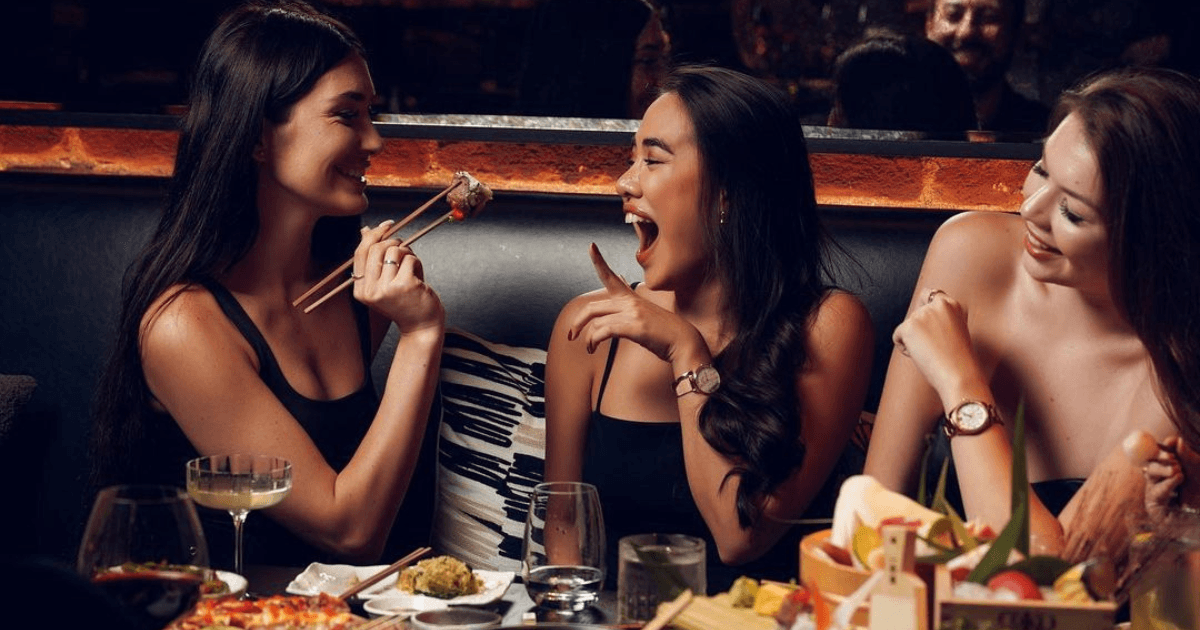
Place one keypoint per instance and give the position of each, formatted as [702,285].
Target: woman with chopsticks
[715,398]
[211,356]
[1085,306]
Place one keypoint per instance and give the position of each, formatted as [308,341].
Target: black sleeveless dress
[639,471]
[335,426]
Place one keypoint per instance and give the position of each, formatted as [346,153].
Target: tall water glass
[563,556]
[655,568]
[129,531]
[238,484]
[1166,592]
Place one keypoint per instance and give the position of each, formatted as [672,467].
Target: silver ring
[392,262]
[356,276]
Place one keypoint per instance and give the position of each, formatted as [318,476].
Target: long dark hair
[262,58]
[1144,126]
[769,250]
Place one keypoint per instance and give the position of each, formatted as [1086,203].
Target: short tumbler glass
[563,557]
[655,568]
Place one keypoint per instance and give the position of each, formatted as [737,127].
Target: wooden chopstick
[392,568]
[669,612]
[405,243]
[389,622]
[392,230]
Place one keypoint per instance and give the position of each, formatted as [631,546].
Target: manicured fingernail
[386,222]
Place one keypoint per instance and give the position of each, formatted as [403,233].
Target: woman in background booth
[715,398]
[211,356]
[1085,306]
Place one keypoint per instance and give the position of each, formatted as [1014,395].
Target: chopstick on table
[390,569]
[392,230]
[670,611]
[390,622]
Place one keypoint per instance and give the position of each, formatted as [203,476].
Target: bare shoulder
[974,250]
[840,332]
[841,315]
[185,320]
[578,302]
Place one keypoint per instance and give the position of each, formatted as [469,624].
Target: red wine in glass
[153,599]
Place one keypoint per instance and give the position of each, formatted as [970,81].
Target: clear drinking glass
[238,483]
[1166,593]
[656,568]
[129,531]
[563,556]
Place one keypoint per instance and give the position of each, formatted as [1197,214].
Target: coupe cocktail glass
[238,484]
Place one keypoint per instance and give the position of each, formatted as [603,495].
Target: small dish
[456,619]
[397,602]
[334,579]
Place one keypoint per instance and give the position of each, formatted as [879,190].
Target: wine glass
[562,561]
[134,547]
[238,484]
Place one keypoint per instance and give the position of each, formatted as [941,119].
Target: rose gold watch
[704,379]
[971,417]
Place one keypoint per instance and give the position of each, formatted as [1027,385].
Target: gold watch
[971,417]
[704,379]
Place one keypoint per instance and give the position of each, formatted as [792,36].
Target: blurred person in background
[898,82]
[982,35]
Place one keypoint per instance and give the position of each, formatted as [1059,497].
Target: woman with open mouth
[715,397]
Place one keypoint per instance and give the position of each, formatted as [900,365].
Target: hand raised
[936,337]
[389,279]
[620,312]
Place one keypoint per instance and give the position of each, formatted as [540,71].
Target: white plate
[397,602]
[334,579]
[237,584]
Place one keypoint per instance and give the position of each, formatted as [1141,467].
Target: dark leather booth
[65,242]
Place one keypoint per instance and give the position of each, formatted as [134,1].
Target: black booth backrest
[65,243]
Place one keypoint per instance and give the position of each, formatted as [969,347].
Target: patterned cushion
[491,449]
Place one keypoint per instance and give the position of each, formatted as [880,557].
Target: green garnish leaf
[1015,534]
[966,541]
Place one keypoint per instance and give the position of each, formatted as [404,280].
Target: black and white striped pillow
[491,449]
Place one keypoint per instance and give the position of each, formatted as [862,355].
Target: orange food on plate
[277,612]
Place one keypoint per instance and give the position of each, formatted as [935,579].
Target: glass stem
[239,520]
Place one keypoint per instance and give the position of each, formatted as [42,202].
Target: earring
[721,215]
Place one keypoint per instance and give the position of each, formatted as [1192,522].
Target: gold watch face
[707,379]
[972,417]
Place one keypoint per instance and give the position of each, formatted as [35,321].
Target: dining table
[515,607]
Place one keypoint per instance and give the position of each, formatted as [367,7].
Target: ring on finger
[392,262]
[932,292]
[356,276]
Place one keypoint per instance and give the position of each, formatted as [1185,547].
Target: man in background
[981,34]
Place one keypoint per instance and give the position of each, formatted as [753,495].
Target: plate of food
[217,583]
[275,611]
[435,584]
[334,579]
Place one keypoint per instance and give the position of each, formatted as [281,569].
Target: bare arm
[831,389]
[205,375]
[832,386]
[934,367]
[569,378]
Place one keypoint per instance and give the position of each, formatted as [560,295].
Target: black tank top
[335,426]
[638,469]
